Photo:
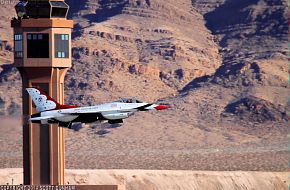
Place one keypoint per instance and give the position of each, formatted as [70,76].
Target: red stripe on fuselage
[58,107]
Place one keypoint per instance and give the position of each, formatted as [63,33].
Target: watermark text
[8,2]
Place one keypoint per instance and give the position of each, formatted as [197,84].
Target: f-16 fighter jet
[51,112]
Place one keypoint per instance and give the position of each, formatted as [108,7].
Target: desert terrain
[136,147]
[221,65]
[164,179]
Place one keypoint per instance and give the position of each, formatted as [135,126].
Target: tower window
[61,45]
[58,9]
[37,45]
[18,42]
[60,54]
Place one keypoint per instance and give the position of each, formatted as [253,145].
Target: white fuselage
[109,111]
[50,111]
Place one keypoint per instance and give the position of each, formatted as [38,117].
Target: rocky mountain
[221,65]
[138,41]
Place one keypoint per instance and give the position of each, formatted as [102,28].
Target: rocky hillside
[138,41]
[252,38]
[167,48]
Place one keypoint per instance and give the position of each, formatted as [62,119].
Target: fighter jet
[50,111]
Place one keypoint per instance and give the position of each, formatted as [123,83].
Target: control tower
[42,54]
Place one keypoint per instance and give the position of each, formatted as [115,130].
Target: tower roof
[41,9]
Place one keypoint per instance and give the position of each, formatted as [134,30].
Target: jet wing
[41,118]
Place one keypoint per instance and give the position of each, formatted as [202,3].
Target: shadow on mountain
[228,70]
[196,83]
[77,31]
[106,10]
[256,110]
[229,13]
[5,69]
[248,18]
[75,6]
[228,75]
[5,72]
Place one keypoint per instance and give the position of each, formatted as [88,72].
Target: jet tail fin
[44,102]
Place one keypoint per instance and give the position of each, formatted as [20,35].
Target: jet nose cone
[161,107]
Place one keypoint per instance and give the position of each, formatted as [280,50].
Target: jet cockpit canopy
[129,100]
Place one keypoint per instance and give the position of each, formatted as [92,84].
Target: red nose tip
[161,107]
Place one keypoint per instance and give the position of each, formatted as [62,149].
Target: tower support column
[43,145]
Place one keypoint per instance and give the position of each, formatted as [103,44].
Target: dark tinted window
[58,12]
[18,50]
[61,45]
[37,45]
[38,9]
[59,9]
[58,4]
